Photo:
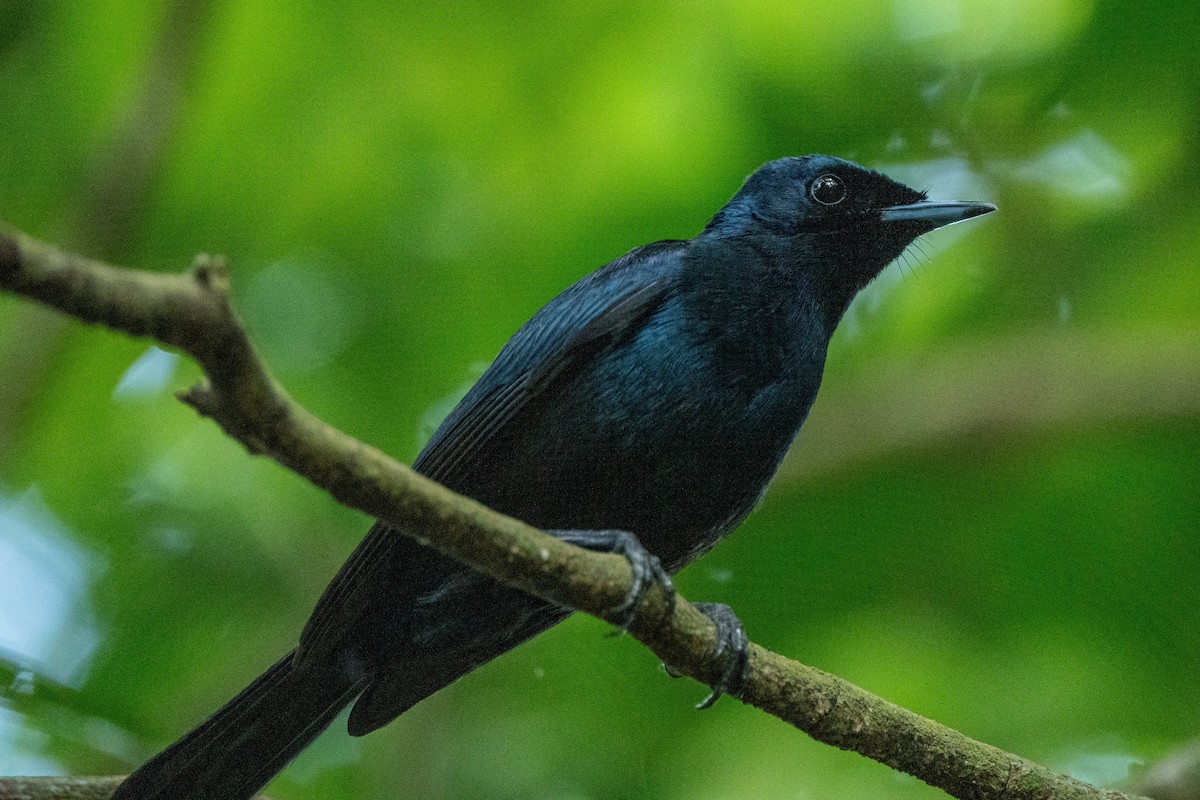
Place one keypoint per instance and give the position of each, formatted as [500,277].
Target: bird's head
[842,221]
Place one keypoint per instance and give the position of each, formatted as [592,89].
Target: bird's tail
[243,745]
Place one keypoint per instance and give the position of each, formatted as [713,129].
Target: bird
[641,411]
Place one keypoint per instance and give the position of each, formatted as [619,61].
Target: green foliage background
[992,515]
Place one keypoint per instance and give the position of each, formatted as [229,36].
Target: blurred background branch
[126,167]
[979,391]
[116,186]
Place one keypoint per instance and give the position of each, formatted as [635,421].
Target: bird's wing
[599,312]
[555,344]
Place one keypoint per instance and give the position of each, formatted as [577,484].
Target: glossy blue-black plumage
[656,395]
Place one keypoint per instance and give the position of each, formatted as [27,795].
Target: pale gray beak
[935,214]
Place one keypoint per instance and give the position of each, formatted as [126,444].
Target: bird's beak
[935,214]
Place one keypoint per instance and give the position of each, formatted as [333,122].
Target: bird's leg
[647,569]
[733,645]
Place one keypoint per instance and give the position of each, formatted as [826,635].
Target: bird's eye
[828,190]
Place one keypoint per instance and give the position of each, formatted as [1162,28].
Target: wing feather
[558,341]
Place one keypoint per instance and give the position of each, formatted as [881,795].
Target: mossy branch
[192,313]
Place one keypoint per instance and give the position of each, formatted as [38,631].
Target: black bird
[650,402]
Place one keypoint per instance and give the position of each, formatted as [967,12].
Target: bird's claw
[732,646]
[647,570]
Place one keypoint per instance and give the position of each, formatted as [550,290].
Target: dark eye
[828,190]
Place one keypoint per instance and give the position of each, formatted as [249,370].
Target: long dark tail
[242,746]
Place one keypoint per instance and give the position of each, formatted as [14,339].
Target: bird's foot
[647,569]
[733,648]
